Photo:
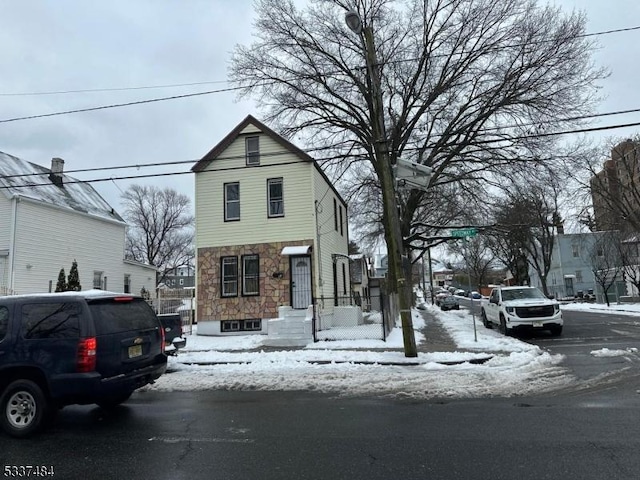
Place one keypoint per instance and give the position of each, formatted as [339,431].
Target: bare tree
[462,86]
[526,224]
[605,260]
[478,259]
[160,228]
[630,261]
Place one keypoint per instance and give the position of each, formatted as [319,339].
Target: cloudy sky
[106,53]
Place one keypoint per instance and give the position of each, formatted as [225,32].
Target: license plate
[135,351]
[538,324]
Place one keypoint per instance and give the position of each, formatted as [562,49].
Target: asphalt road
[588,432]
[301,435]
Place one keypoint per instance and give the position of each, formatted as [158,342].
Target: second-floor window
[579,276]
[231,201]
[275,196]
[252,148]
[575,250]
[341,222]
[229,276]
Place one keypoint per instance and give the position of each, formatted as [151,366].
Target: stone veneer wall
[274,292]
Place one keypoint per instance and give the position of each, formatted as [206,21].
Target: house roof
[19,178]
[204,162]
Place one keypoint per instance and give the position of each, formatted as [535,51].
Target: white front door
[300,281]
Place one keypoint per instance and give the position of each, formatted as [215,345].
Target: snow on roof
[31,181]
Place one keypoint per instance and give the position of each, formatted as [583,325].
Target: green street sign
[464,232]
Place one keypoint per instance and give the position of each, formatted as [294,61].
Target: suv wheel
[23,406]
[503,326]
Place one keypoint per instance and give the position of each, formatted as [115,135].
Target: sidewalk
[436,347]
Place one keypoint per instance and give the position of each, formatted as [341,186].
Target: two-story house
[571,270]
[48,220]
[271,231]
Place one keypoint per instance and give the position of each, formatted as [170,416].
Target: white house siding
[50,238]
[254,225]
[140,276]
[5,222]
[330,241]
[5,241]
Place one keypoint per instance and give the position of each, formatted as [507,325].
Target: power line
[210,82]
[116,105]
[113,89]
[276,153]
[175,97]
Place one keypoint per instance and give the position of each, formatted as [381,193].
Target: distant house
[380,265]
[271,233]
[571,270]
[360,275]
[48,220]
[181,277]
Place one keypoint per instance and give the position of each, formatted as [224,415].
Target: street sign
[464,232]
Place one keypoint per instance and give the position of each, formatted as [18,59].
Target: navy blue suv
[73,348]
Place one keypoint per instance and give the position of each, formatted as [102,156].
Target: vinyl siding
[5,222]
[254,225]
[329,240]
[49,238]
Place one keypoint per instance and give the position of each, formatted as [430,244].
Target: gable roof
[204,162]
[19,178]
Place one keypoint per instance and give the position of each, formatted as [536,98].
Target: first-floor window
[127,284]
[97,279]
[579,276]
[229,276]
[250,275]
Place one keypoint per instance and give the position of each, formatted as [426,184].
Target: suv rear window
[116,316]
[51,320]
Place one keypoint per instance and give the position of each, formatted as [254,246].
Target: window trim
[244,275]
[227,218]
[224,282]
[341,223]
[272,181]
[335,213]
[251,154]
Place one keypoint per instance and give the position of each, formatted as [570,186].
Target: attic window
[252,147]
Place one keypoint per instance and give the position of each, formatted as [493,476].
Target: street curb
[473,361]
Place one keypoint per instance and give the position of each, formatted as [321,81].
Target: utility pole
[384,170]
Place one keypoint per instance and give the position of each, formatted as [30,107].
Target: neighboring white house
[48,220]
[271,233]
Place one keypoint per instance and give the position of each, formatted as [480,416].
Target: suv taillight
[87,354]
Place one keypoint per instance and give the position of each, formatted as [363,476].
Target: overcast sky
[67,45]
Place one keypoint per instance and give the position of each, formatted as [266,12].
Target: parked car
[73,348]
[475,295]
[459,292]
[450,303]
[440,296]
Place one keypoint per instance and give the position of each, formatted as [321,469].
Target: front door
[568,286]
[300,281]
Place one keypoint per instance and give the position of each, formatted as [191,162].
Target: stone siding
[274,283]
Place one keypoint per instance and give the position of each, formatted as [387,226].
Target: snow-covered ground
[369,367]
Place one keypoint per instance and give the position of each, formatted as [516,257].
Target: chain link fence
[180,301]
[351,318]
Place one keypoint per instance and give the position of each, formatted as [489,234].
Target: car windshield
[519,293]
